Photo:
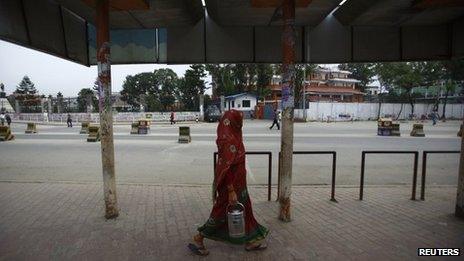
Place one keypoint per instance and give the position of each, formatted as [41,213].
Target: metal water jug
[236,220]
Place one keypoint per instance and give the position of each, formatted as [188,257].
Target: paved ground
[58,153]
[64,221]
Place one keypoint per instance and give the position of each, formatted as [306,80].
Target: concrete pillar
[288,88]
[106,115]
[201,103]
[459,212]
[222,103]
[17,107]
[42,105]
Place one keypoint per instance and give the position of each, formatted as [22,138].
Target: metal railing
[334,168]
[414,178]
[424,166]
[269,176]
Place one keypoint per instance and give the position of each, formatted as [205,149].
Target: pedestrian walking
[230,188]
[434,117]
[172,118]
[8,119]
[2,118]
[69,121]
[277,118]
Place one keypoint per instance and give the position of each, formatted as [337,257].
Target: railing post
[424,169]
[334,169]
[269,178]
[414,177]
[361,185]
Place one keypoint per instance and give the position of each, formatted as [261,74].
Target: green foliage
[86,97]
[264,73]
[191,86]
[363,72]
[26,94]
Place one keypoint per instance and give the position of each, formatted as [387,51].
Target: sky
[51,74]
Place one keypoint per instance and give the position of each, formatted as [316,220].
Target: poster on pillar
[287,96]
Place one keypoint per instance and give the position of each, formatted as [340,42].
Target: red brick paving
[64,221]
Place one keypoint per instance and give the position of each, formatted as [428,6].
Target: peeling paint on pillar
[459,212]
[105,109]
[288,87]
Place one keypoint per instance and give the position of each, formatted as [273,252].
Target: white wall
[319,111]
[239,100]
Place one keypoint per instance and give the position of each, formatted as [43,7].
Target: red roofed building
[326,84]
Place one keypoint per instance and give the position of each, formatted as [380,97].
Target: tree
[86,97]
[402,76]
[136,88]
[264,73]
[454,74]
[364,72]
[27,95]
[166,81]
[191,86]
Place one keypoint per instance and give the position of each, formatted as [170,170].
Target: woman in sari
[229,188]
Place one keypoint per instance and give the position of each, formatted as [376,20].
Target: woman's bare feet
[255,246]
[198,246]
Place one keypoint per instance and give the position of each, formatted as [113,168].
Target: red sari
[231,170]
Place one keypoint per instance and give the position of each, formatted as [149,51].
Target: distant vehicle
[212,114]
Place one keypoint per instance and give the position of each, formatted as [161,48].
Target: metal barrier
[269,176]
[424,166]
[334,168]
[414,178]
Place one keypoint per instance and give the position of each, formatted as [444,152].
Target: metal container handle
[238,204]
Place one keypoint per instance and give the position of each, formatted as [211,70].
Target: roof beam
[350,10]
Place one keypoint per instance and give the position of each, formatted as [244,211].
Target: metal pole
[414,177]
[361,185]
[424,169]
[269,177]
[106,116]
[334,169]
[288,87]
[459,212]
[304,94]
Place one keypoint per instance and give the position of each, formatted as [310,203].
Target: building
[325,84]
[244,102]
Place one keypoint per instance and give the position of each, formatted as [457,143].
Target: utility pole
[106,115]
[288,87]
[460,192]
[304,93]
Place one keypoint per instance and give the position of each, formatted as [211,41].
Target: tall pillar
[222,103]
[17,107]
[202,104]
[288,87]
[49,107]
[460,192]
[106,116]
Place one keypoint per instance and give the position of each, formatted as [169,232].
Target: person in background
[8,119]
[69,121]
[172,118]
[2,118]
[276,120]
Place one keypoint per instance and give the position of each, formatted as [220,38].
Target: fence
[363,160]
[334,169]
[269,176]
[322,111]
[424,166]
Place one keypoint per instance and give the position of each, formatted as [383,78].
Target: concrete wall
[117,117]
[368,111]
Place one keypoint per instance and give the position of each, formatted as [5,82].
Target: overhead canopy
[239,31]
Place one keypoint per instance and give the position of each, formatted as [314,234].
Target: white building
[242,102]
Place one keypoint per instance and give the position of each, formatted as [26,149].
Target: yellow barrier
[134,128]
[418,130]
[184,135]
[31,128]
[85,128]
[94,133]
[5,133]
